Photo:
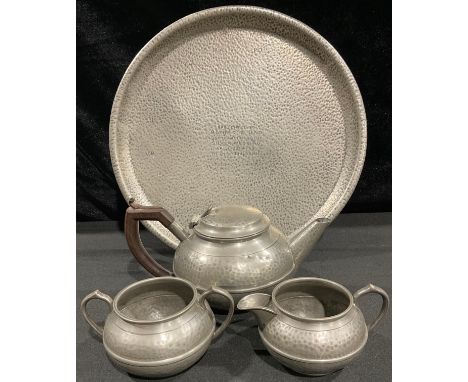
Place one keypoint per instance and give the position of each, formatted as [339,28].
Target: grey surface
[355,250]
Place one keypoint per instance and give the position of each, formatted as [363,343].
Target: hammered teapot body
[232,247]
[313,326]
[158,327]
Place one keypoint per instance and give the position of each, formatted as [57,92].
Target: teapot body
[240,266]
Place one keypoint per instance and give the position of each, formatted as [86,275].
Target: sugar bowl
[158,327]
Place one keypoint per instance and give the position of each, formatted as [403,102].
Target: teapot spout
[301,242]
[259,304]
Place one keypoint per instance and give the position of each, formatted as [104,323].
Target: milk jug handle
[385,302]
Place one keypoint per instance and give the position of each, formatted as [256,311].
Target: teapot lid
[231,222]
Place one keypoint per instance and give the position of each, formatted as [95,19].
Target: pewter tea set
[225,109]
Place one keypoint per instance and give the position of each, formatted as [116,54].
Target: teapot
[232,247]
[313,326]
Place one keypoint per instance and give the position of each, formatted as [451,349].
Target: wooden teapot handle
[133,215]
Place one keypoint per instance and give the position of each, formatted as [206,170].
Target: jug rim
[318,281]
[155,280]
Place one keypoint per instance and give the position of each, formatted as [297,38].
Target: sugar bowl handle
[96,295]
[385,302]
[227,320]
[134,214]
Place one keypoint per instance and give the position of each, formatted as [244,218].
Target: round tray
[238,105]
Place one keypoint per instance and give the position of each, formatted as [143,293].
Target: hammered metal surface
[158,327]
[235,266]
[158,342]
[152,307]
[317,343]
[238,105]
[164,370]
[304,306]
[312,325]
[311,368]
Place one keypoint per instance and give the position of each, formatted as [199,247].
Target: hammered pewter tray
[238,105]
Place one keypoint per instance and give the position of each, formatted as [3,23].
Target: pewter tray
[238,105]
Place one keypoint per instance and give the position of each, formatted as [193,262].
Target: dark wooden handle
[134,214]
